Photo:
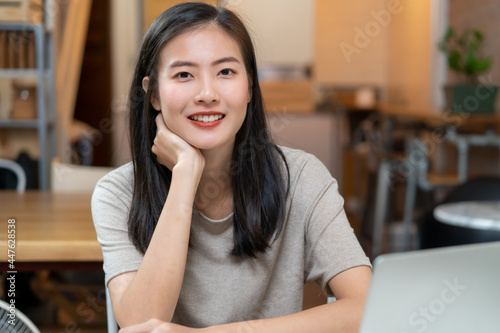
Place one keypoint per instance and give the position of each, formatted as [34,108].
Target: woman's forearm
[155,288]
[340,316]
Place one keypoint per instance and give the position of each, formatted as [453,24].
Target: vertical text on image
[11,273]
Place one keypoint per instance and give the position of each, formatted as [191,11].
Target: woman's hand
[173,152]
[158,326]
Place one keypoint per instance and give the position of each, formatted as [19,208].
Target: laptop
[454,289]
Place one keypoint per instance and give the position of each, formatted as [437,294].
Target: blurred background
[361,84]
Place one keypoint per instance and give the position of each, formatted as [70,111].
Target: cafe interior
[397,98]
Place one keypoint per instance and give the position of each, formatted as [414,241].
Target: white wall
[282,30]
[417,70]
[439,66]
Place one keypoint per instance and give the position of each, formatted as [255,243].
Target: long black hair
[259,172]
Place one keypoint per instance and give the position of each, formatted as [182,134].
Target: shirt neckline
[207,219]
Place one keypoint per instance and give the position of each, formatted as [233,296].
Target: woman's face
[203,88]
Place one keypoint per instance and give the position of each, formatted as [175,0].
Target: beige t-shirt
[316,243]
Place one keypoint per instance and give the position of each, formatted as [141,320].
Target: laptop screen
[453,289]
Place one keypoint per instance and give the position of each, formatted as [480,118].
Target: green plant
[464,53]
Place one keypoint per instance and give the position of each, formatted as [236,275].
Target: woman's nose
[208,92]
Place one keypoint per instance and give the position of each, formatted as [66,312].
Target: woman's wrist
[187,175]
[189,166]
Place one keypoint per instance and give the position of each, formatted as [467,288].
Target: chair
[22,324]
[18,171]
[436,234]
[75,178]
[419,177]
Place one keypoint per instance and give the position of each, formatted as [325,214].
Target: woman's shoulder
[305,165]
[309,179]
[118,182]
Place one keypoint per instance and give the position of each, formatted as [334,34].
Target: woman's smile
[206,119]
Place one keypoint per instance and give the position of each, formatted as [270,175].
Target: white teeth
[206,118]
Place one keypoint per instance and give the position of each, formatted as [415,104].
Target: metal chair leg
[112,324]
[383,186]
[411,190]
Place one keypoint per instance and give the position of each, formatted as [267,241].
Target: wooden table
[53,231]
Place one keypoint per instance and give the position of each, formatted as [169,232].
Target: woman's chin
[210,142]
[202,145]
[197,143]
[205,147]
[211,146]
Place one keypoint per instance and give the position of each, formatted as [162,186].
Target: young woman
[213,227]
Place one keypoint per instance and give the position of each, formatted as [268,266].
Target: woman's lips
[206,119]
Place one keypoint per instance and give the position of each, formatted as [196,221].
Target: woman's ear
[155,102]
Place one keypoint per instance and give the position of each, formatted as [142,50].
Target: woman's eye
[183,75]
[227,71]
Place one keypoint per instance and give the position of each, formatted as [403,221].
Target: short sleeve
[331,245]
[110,210]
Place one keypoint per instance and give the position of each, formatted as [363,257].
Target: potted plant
[465,58]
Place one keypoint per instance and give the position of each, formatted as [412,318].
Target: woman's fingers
[160,123]
[166,145]
[169,148]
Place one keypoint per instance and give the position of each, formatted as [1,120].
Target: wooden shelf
[19,26]
[24,123]
[19,123]
[44,78]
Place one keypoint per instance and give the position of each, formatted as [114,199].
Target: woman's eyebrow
[225,59]
[184,63]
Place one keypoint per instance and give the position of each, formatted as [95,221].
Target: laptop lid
[453,289]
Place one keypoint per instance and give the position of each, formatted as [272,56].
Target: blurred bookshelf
[26,62]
